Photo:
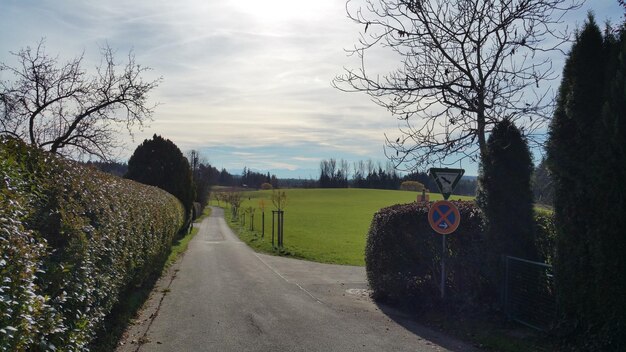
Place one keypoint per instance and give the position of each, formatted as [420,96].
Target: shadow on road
[407,321]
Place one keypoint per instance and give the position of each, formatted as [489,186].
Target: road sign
[446,179]
[444,217]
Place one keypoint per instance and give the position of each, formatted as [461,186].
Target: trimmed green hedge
[72,240]
[403,256]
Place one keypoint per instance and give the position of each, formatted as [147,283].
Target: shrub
[403,256]
[411,186]
[545,236]
[266,186]
[73,240]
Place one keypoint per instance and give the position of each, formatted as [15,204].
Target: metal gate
[529,293]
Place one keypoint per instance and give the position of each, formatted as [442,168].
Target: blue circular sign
[444,217]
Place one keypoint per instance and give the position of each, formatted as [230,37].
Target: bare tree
[58,107]
[465,65]
[344,169]
[371,167]
[194,160]
[279,199]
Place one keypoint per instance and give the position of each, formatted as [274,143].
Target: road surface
[222,296]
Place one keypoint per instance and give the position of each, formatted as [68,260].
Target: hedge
[72,241]
[403,256]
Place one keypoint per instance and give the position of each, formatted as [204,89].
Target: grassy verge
[127,309]
[255,238]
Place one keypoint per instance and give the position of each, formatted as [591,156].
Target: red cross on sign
[444,217]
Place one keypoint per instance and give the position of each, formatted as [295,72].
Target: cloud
[246,81]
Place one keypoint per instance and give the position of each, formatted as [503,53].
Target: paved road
[225,297]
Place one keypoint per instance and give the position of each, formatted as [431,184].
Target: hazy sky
[246,82]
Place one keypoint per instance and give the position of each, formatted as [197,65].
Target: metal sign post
[443,266]
[444,218]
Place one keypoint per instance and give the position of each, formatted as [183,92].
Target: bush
[266,186]
[545,236]
[73,240]
[403,256]
[411,186]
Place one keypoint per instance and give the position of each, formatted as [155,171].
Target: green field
[323,225]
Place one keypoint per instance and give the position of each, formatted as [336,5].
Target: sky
[245,82]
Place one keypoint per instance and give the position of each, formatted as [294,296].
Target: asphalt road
[222,296]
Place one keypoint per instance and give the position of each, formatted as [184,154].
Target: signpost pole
[443,266]
[443,216]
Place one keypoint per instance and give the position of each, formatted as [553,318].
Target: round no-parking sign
[444,217]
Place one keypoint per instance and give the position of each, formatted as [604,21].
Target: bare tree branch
[464,65]
[60,108]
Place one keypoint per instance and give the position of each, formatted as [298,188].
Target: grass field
[323,225]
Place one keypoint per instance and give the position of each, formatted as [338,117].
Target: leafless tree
[359,168]
[344,169]
[59,107]
[234,198]
[370,166]
[193,156]
[279,199]
[464,65]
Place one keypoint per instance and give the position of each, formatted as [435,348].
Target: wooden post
[282,228]
[273,212]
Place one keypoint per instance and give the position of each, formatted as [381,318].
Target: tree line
[370,174]
[366,174]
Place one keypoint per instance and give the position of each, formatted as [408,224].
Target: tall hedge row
[72,240]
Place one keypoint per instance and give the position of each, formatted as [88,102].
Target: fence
[529,293]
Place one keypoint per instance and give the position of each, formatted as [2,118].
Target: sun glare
[280,10]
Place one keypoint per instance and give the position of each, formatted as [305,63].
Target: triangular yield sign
[446,179]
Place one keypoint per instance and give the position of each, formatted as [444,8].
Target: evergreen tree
[158,162]
[608,230]
[571,153]
[506,197]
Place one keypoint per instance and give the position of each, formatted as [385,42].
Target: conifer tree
[506,196]
[571,151]
[608,220]
[158,162]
